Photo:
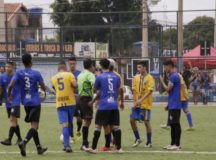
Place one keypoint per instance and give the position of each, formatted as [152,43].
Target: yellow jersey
[183,89]
[142,85]
[62,83]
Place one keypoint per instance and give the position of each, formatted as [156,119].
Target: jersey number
[27,82]
[110,82]
[60,84]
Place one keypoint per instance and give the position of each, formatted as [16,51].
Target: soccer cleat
[119,151]
[22,147]
[90,150]
[190,129]
[68,150]
[41,150]
[72,141]
[137,143]
[148,145]
[166,147]
[164,126]
[18,141]
[6,142]
[84,148]
[173,148]
[79,136]
[105,149]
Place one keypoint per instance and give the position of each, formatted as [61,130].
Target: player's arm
[10,88]
[166,87]
[134,91]
[149,92]
[91,103]
[121,92]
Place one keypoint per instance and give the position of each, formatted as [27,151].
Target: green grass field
[197,145]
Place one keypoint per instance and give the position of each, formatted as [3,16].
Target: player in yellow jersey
[142,86]
[64,84]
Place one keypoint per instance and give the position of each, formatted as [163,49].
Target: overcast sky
[162,5]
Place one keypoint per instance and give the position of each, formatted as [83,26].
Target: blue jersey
[108,84]
[76,73]
[29,81]
[174,98]
[5,80]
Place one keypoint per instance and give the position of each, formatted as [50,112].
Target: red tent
[202,62]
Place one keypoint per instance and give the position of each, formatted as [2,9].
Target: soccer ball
[61,138]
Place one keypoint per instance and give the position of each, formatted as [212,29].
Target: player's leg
[16,114]
[108,138]
[133,121]
[87,114]
[79,126]
[7,141]
[114,122]
[188,115]
[175,130]
[147,118]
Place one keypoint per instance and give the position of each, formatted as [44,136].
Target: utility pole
[215,27]
[145,29]
[180,28]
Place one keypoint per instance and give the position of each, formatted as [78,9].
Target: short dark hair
[87,63]
[72,58]
[27,59]
[169,63]
[10,62]
[105,63]
[143,63]
[62,62]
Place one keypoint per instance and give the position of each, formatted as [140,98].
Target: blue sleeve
[174,79]
[15,77]
[39,78]
[1,81]
[97,83]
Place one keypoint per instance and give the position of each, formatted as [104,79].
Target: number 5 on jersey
[60,84]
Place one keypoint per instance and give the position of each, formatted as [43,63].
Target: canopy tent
[197,60]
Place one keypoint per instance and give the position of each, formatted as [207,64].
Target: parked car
[128,95]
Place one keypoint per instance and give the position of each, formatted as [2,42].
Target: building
[19,23]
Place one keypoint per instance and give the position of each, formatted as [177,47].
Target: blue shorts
[184,104]
[140,114]
[66,114]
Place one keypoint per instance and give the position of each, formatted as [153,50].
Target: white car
[128,95]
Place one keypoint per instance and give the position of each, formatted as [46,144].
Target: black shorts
[107,117]
[78,112]
[86,110]
[32,113]
[14,111]
[174,116]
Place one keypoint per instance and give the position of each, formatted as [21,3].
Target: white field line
[154,152]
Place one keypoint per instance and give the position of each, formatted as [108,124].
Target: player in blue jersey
[72,64]
[13,107]
[108,85]
[29,81]
[174,104]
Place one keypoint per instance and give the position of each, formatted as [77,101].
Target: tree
[170,39]
[199,29]
[121,39]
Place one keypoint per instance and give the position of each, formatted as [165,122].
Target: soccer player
[142,86]
[108,85]
[72,64]
[184,99]
[108,129]
[13,107]
[29,79]
[64,84]
[174,104]
[86,80]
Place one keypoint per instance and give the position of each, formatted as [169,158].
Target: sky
[163,5]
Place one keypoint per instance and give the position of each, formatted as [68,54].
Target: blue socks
[136,134]
[189,119]
[66,134]
[149,135]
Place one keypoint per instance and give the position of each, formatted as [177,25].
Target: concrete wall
[2,22]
